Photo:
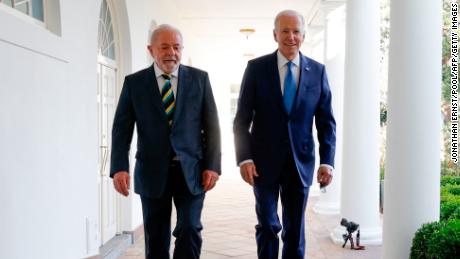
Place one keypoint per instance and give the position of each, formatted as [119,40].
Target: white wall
[48,137]
[140,14]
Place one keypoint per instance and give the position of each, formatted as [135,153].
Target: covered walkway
[229,219]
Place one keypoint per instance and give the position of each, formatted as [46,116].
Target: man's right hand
[248,172]
[121,182]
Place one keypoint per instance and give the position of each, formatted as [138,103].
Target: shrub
[447,179]
[450,202]
[437,240]
[448,209]
[441,240]
[419,248]
[445,243]
[455,214]
[453,189]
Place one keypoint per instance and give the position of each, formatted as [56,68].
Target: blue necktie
[289,88]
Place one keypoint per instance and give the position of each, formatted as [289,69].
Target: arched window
[106,38]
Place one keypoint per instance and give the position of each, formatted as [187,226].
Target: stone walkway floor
[229,218]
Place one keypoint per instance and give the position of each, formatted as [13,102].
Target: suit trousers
[157,219]
[293,201]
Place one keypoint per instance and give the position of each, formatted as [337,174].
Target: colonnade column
[360,175]
[412,169]
[334,54]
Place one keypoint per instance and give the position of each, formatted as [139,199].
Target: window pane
[103,11]
[111,52]
[8,2]
[37,9]
[110,35]
[20,2]
[106,38]
[23,7]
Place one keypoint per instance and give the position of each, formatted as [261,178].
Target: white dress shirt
[161,81]
[282,69]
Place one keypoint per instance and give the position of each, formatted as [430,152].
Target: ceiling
[212,38]
[224,18]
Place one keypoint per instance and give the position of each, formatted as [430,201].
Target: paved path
[229,219]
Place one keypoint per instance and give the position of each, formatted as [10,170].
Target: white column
[413,147]
[313,47]
[334,53]
[360,175]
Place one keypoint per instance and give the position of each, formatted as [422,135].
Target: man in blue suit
[178,145]
[281,94]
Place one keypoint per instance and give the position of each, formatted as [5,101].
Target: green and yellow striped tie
[167,96]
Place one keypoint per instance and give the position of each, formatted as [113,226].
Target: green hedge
[441,240]
[419,249]
[437,240]
[450,201]
[445,243]
[447,179]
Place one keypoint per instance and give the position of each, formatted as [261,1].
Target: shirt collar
[159,72]
[282,60]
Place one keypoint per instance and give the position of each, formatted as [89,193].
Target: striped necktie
[167,97]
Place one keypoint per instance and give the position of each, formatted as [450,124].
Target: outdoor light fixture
[247,31]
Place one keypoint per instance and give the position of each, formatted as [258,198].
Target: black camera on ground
[351,227]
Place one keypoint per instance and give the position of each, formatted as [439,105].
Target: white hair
[290,13]
[163,27]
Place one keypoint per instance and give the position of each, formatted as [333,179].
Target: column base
[369,236]
[326,208]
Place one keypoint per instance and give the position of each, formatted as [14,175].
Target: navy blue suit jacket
[263,128]
[194,134]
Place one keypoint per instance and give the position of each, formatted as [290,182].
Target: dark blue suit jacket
[194,134]
[263,128]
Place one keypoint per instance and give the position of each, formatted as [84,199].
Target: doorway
[106,101]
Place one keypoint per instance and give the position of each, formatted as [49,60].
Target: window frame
[106,36]
[29,14]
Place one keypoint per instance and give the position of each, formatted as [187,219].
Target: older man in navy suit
[281,94]
[178,145]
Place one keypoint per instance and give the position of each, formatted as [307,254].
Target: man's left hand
[324,175]
[209,179]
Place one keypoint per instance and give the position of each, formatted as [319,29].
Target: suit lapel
[150,82]
[183,78]
[276,81]
[303,78]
